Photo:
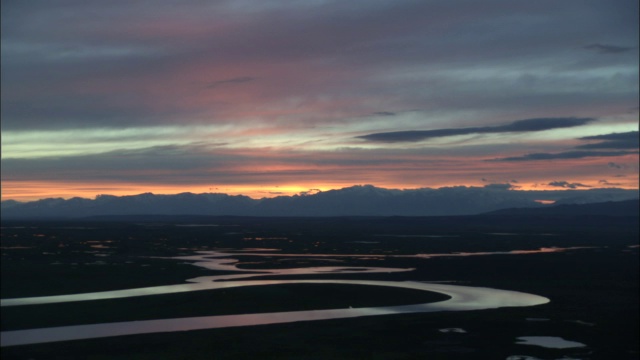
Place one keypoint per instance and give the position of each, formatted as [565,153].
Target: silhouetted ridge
[609,208]
[361,200]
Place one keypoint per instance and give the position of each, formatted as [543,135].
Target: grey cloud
[613,136]
[605,182]
[567,185]
[614,165]
[627,144]
[186,164]
[506,186]
[236,80]
[384,113]
[153,164]
[609,49]
[60,111]
[626,140]
[564,155]
[371,38]
[526,125]
[374,36]
[509,182]
[309,192]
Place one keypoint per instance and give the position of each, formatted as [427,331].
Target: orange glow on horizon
[34,190]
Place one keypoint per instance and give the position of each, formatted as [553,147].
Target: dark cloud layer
[567,185]
[609,49]
[136,60]
[285,86]
[236,80]
[626,140]
[565,155]
[526,125]
[613,136]
[499,186]
[608,183]
[612,141]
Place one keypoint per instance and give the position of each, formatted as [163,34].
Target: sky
[267,98]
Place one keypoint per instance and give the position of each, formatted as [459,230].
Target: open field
[592,284]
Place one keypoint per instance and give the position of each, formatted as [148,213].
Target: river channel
[462,298]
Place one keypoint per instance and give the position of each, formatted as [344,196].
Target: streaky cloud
[609,49]
[236,80]
[613,136]
[564,155]
[626,140]
[500,186]
[627,144]
[606,182]
[526,125]
[567,185]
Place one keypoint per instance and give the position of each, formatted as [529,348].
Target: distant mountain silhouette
[609,208]
[361,200]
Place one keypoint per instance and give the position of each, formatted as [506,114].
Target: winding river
[462,298]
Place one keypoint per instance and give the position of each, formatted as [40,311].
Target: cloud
[526,125]
[353,57]
[609,49]
[310,192]
[565,155]
[236,80]
[506,186]
[605,182]
[497,184]
[626,140]
[615,166]
[613,136]
[567,185]
[317,73]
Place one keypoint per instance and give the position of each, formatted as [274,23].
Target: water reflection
[541,250]
[217,260]
[462,298]
[453,330]
[551,342]
[212,260]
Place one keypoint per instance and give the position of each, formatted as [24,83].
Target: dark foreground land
[593,288]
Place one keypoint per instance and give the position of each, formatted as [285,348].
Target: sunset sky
[264,97]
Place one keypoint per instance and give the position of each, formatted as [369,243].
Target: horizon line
[311,192]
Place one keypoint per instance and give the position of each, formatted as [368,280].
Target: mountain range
[359,200]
